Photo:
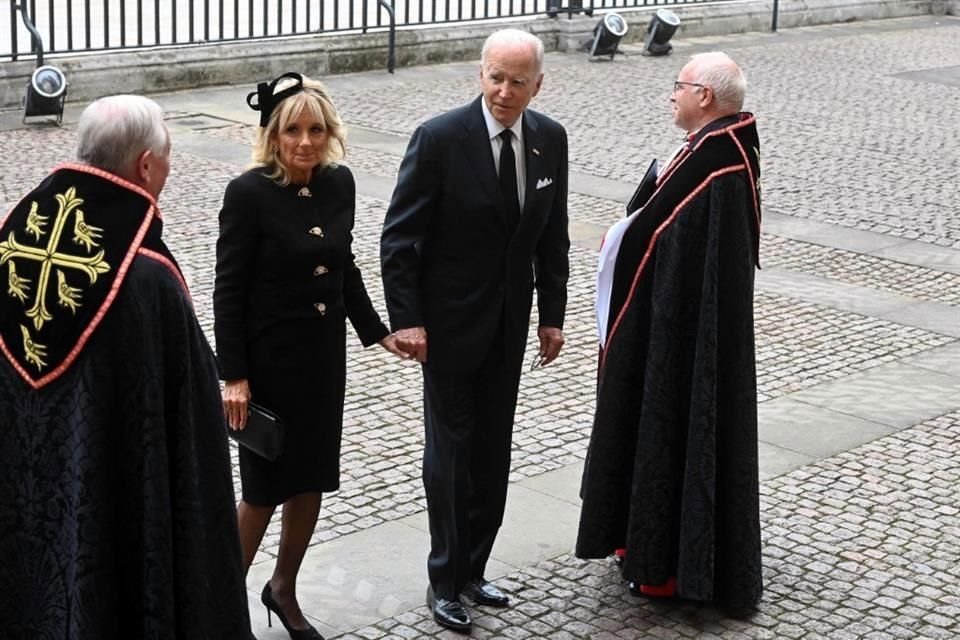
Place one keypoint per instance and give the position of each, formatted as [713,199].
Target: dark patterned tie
[508,178]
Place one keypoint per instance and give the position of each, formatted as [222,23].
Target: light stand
[47,90]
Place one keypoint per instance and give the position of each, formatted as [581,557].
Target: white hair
[718,71]
[511,37]
[113,131]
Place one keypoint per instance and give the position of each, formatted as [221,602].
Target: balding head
[719,72]
[708,87]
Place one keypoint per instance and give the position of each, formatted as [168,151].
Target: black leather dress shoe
[482,592]
[449,613]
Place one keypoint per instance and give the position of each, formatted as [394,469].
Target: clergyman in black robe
[117,511]
[671,473]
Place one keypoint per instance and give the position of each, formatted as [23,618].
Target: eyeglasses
[537,360]
[678,85]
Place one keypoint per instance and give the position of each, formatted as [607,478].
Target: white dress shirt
[494,129]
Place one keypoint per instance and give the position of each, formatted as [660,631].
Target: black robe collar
[725,146]
[720,123]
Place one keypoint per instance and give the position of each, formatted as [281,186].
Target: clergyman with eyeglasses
[671,480]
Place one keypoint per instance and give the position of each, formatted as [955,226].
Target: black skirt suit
[285,282]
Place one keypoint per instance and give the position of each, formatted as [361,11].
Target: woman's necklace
[304,193]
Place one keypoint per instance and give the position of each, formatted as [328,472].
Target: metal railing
[75,26]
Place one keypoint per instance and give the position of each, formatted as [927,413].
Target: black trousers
[466,464]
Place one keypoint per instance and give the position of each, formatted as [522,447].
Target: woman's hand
[390,344]
[236,396]
[413,342]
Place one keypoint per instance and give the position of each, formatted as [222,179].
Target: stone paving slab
[800,344]
[893,394]
[860,269]
[934,317]
[931,315]
[776,460]
[386,572]
[880,245]
[816,432]
[945,359]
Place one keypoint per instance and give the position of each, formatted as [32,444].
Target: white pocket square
[544,182]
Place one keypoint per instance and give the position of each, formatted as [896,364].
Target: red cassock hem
[666,590]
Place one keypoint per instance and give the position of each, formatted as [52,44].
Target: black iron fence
[75,26]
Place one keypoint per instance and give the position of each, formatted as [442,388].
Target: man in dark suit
[477,220]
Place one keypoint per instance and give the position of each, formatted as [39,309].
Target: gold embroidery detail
[18,286]
[50,256]
[33,351]
[67,296]
[84,233]
[35,221]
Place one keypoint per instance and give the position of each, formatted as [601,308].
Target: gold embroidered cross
[53,256]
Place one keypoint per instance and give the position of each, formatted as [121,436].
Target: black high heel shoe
[295,634]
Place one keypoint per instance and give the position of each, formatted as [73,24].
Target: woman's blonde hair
[316,100]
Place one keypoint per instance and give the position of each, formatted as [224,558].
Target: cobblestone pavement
[863,544]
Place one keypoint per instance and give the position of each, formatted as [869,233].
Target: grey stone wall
[158,70]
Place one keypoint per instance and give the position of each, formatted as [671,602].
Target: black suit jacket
[450,260]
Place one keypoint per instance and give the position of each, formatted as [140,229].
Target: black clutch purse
[263,434]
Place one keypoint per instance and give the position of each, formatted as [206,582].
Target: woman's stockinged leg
[252,521]
[299,521]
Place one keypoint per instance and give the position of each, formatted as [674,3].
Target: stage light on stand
[47,89]
[46,93]
[661,28]
[607,35]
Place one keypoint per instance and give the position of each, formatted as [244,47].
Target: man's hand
[413,341]
[551,341]
[390,344]
[236,396]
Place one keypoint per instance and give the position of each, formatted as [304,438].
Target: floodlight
[46,93]
[661,28]
[606,35]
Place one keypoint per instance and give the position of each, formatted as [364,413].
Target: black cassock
[117,514]
[671,473]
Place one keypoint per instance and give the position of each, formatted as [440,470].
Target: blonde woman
[286,281]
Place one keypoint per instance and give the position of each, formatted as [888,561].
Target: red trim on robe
[753,182]
[106,175]
[132,250]
[650,246]
[165,261]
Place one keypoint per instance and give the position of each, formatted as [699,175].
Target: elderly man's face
[509,79]
[686,100]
